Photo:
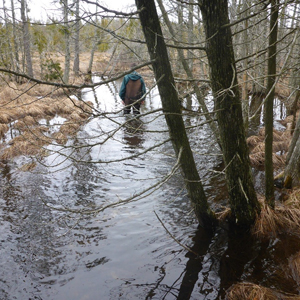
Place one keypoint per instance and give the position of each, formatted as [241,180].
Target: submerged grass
[22,108]
[251,291]
[281,141]
[284,218]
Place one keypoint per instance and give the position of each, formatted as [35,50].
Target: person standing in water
[132,92]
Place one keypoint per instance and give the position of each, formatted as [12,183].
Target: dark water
[50,249]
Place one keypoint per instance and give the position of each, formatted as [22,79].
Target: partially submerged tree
[67,42]
[76,40]
[26,38]
[243,201]
[171,108]
[270,198]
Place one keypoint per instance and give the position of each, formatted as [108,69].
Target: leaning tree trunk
[269,177]
[242,196]
[171,107]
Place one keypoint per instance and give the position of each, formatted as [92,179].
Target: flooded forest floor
[27,109]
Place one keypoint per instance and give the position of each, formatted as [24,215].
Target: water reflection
[195,264]
[133,132]
[123,252]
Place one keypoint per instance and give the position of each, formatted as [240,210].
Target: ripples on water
[123,252]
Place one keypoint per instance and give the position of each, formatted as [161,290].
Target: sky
[40,8]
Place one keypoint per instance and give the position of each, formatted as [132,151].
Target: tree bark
[292,169]
[242,196]
[245,50]
[8,37]
[95,43]
[26,39]
[171,107]
[189,74]
[67,42]
[258,96]
[269,176]
[190,24]
[76,47]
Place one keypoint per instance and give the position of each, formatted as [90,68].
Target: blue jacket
[133,76]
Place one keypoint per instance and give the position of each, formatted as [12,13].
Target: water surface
[135,250]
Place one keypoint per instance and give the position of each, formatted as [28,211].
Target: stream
[56,242]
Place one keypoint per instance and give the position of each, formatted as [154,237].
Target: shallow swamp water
[56,243]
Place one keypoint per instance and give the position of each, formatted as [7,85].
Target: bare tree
[26,38]
[269,103]
[169,97]
[243,200]
[76,39]
[67,41]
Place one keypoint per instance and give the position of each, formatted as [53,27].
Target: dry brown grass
[28,167]
[21,148]
[253,141]
[294,266]
[3,129]
[69,128]
[257,160]
[251,291]
[258,148]
[288,119]
[75,117]
[276,134]
[24,106]
[266,224]
[9,92]
[285,218]
[281,141]
[282,145]
[60,138]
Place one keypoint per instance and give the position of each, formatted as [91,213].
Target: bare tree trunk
[171,107]
[179,33]
[190,33]
[16,47]
[291,106]
[189,74]
[95,43]
[8,37]
[67,42]
[26,39]
[245,97]
[77,49]
[292,170]
[258,73]
[255,109]
[242,196]
[269,176]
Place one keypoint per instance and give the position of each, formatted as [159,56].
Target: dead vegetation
[284,218]
[22,109]
[251,291]
[281,142]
